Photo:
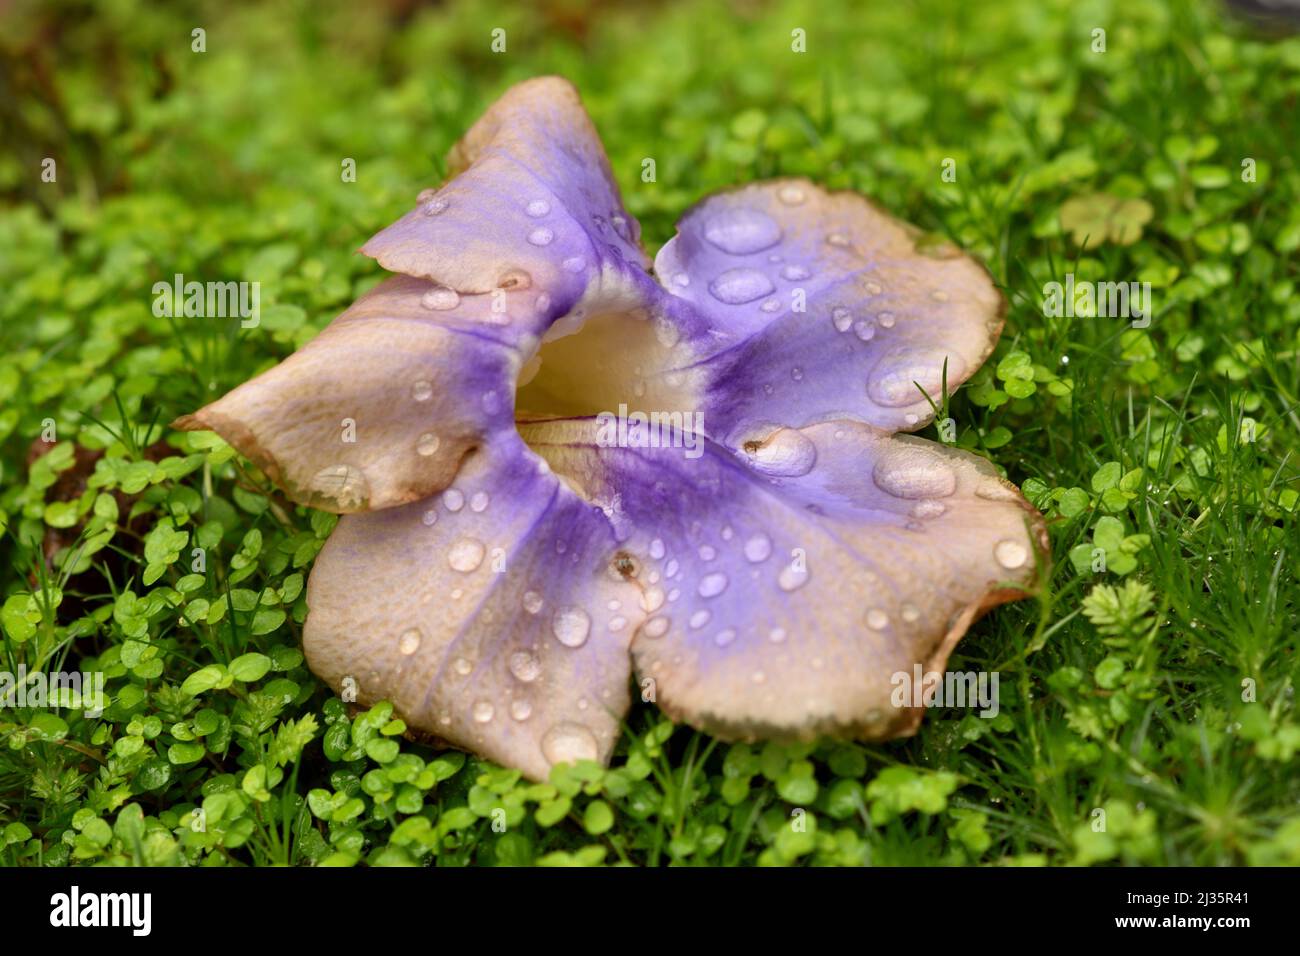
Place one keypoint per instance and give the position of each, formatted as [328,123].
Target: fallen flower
[503,567]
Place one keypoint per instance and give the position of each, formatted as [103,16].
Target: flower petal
[536,203]
[783,594]
[823,307]
[490,616]
[379,409]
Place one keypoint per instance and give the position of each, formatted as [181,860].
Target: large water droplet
[525,666]
[741,231]
[409,642]
[738,286]
[568,742]
[791,195]
[711,585]
[792,577]
[894,380]
[911,472]
[571,625]
[428,444]
[1010,554]
[440,299]
[466,555]
[758,548]
[343,484]
[785,453]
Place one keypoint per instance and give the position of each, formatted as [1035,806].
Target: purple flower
[562,473]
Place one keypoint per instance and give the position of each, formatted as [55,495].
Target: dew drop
[1010,554]
[440,299]
[841,318]
[838,240]
[453,500]
[541,236]
[886,320]
[910,472]
[483,711]
[758,548]
[724,637]
[741,231]
[864,329]
[791,195]
[574,264]
[525,666]
[479,502]
[738,286]
[699,619]
[776,635]
[784,453]
[792,578]
[910,613]
[520,709]
[568,742]
[532,602]
[428,444]
[422,390]
[434,207]
[466,555]
[657,626]
[462,666]
[877,619]
[794,273]
[571,625]
[538,208]
[711,585]
[926,508]
[657,550]
[430,518]
[894,381]
[409,642]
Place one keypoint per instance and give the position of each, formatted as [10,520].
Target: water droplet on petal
[520,709]
[541,236]
[453,500]
[841,318]
[711,585]
[440,299]
[1010,554]
[864,329]
[343,484]
[657,550]
[928,509]
[838,240]
[656,627]
[532,602]
[574,264]
[479,502]
[776,635]
[758,548]
[877,619]
[794,273]
[428,444]
[568,743]
[483,711]
[910,613]
[786,452]
[571,625]
[738,286]
[894,380]
[466,555]
[409,642]
[462,666]
[525,666]
[430,518]
[770,306]
[912,472]
[434,206]
[886,320]
[422,390]
[741,231]
[538,208]
[791,195]
[699,619]
[725,637]
[792,578]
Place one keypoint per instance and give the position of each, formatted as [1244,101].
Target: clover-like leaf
[1100,217]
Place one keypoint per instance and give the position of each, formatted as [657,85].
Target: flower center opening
[603,356]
